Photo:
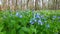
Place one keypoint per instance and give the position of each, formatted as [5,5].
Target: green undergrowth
[30,22]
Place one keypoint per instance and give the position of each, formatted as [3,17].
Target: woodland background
[29,4]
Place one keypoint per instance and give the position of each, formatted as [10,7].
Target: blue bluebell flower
[40,22]
[37,15]
[20,16]
[17,14]
[33,19]
[54,17]
[43,18]
[48,26]
[31,22]
[58,17]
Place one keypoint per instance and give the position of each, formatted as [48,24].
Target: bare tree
[36,4]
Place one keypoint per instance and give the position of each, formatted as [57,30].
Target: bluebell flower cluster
[33,20]
[19,15]
[58,17]
[40,22]
[36,19]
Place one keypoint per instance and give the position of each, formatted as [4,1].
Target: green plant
[29,22]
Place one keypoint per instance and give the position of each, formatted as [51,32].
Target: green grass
[30,22]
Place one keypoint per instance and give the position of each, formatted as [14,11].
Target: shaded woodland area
[29,4]
[29,16]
